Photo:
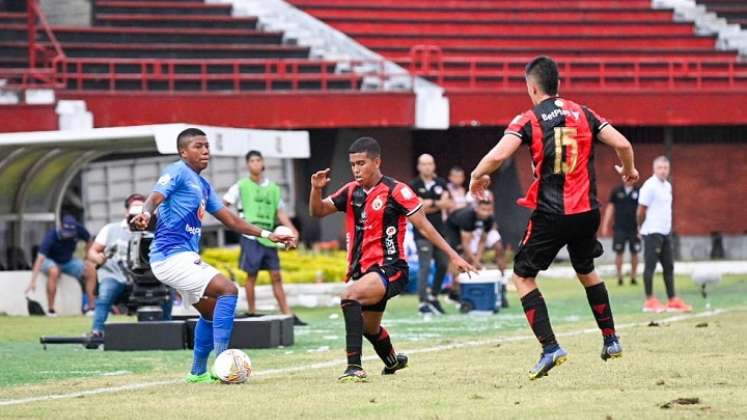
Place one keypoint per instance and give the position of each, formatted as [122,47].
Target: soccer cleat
[203,378]
[613,350]
[353,373]
[676,304]
[425,309]
[297,322]
[652,304]
[401,364]
[548,361]
[435,305]
[620,281]
[633,281]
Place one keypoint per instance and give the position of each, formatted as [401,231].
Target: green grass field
[460,367]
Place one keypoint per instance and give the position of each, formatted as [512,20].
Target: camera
[148,294]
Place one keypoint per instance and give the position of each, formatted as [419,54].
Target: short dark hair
[456,168]
[133,197]
[253,153]
[545,71]
[182,140]
[367,145]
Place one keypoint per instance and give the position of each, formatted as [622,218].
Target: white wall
[14,283]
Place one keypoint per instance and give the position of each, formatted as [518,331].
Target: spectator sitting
[56,257]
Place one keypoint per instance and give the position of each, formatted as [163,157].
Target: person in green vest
[259,201]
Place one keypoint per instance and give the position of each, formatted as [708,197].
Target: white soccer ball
[233,366]
[283,230]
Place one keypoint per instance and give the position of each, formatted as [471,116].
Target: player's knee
[276,277]
[583,267]
[53,272]
[350,294]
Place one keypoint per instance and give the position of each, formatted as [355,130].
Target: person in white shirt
[655,225]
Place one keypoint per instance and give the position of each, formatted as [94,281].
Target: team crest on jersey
[407,193]
[164,179]
[634,196]
[438,189]
[377,204]
[558,103]
[391,231]
[201,210]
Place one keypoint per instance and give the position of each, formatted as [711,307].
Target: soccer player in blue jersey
[182,198]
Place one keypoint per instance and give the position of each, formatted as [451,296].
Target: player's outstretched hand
[140,221]
[629,176]
[320,179]
[288,240]
[463,266]
[478,186]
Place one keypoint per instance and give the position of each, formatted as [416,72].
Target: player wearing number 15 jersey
[561,136]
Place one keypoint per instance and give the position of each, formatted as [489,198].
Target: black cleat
[436,305]
[633,281]
[297,322]
[401,364]
[353,373]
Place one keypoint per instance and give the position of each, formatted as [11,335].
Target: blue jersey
[179,224]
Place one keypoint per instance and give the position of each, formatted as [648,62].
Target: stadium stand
[170,45]
[483,44]
[734,11]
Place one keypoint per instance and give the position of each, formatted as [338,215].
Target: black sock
[383,346]
[353,313]
[536,313]
[599,302]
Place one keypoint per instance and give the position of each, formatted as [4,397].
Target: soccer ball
[282,230]
[232,367]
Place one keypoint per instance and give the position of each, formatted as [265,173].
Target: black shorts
[394,277]
[547,233]
[255,257]
[620,237]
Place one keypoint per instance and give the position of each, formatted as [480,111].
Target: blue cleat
[612,350]
[548,361]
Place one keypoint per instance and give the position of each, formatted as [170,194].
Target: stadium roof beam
[37,167]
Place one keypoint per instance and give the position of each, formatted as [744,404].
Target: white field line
[338,362]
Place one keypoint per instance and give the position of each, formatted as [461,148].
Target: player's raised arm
[239,225]
[613,138]
[317,206]
[480,178]
[425,227]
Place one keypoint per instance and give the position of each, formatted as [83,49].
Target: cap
[69,226]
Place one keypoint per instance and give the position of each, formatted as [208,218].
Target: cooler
[479,293]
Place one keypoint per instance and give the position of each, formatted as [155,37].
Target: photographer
[109,253]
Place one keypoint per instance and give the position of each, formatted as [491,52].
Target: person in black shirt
[463,223]
[434,192]
[622,207]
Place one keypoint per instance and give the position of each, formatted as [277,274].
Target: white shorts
[493,238]
[187,273]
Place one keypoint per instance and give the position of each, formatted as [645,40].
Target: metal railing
[210,75]
[629,73]
[43,57]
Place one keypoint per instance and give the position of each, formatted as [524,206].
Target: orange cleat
[652,304]
[676,304]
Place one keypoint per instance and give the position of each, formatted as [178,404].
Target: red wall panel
[274,110]
[27,118]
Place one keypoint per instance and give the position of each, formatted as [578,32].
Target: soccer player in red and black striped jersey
[561,136]
[377,209]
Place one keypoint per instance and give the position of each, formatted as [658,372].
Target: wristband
[265,234]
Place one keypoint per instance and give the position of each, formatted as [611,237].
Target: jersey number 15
[565,136]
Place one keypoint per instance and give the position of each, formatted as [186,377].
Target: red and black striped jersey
[376,221]
[560,135]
